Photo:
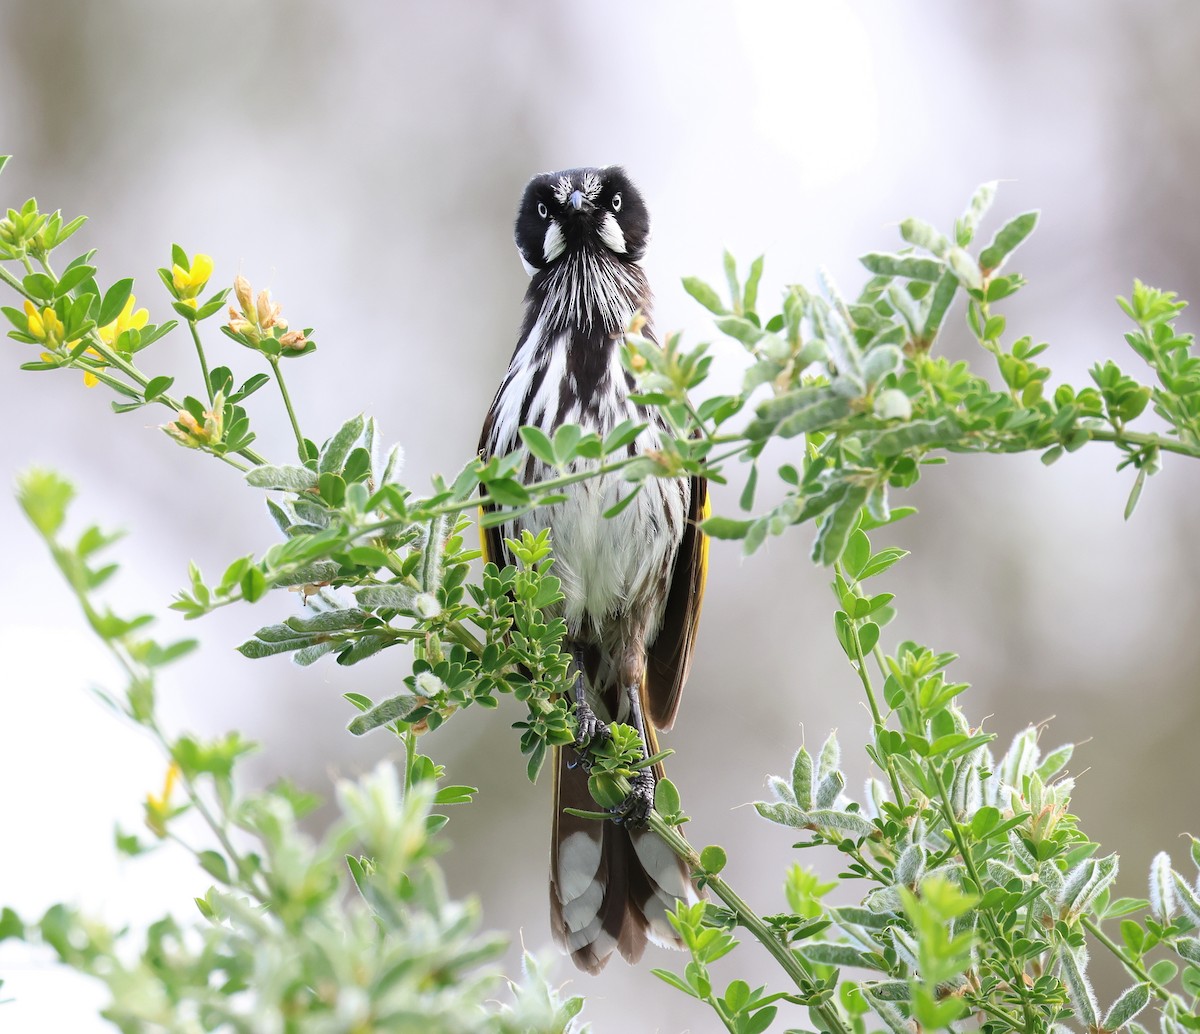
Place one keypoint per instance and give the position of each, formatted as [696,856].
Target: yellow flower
[158,808]
[190,282]
[127,319]
[44,325]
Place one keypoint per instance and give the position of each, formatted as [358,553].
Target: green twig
[287,401]
[1132,966]
[793,964]
[203,361]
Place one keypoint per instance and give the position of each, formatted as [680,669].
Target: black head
[581,208]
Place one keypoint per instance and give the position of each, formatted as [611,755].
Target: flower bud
[294,339]
[245,294]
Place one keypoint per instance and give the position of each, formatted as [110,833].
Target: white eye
[542,209]
[616,202]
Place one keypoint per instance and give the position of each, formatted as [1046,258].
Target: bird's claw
[589,729]
[635,809]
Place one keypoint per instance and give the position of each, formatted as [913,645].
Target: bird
[633,583]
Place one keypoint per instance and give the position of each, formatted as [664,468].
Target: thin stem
[997,938]
[203,361]
[795,966]
[300,447]
[1134,968]
[860,665]
[16,284]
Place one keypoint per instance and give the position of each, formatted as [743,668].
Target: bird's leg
[635,809]
[589,729]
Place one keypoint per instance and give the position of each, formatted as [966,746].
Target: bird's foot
[635,809]
[590,731]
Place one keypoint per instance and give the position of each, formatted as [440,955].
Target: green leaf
[539,444]
[156,386]
[333,454]
[1007,238]
[666,797]
[943,295]
[713,859]
[750,295]
[837,525]
[114,301]
[1135,493]
[396,708]
[726,527]
[704,294]
[40,286]
[731,278]
[508,492]
[740,329]
[910,266]
[977,208]
[215,865]
[620,504]
[72,278]
[286,478]
[44,496]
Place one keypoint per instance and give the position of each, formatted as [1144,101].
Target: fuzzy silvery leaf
[1125,1008]
[851,915]
[829,758]
[284,478]
[1073,969]
[1084,883]
[876,796]
[1162,887]
[333,454]
[802,778]
[827,954]
[1055,761]
[879,362]
[829,788]
[393,466]
[907,307]
[394,597]
[1189,949]
[977,208]
[965,268]
[1001,875]
[1020,759]
[328,621]
[395,708]
[966,794]
[846,822]
[892,1017]
[906,947]
[889,990]
[920,233]
[781,789]
[911,865]
[884,901]
[1187,897]
[321,571]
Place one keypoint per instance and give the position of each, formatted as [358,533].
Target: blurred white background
[364,161]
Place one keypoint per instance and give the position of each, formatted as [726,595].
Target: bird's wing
[669,657]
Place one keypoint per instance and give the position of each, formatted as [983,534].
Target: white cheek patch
[611,234]
[530,268]
[553,245]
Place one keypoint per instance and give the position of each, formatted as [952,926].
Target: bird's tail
[610,888]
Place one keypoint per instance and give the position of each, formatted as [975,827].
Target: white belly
[613,566]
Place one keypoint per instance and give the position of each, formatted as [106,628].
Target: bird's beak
[578,202]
